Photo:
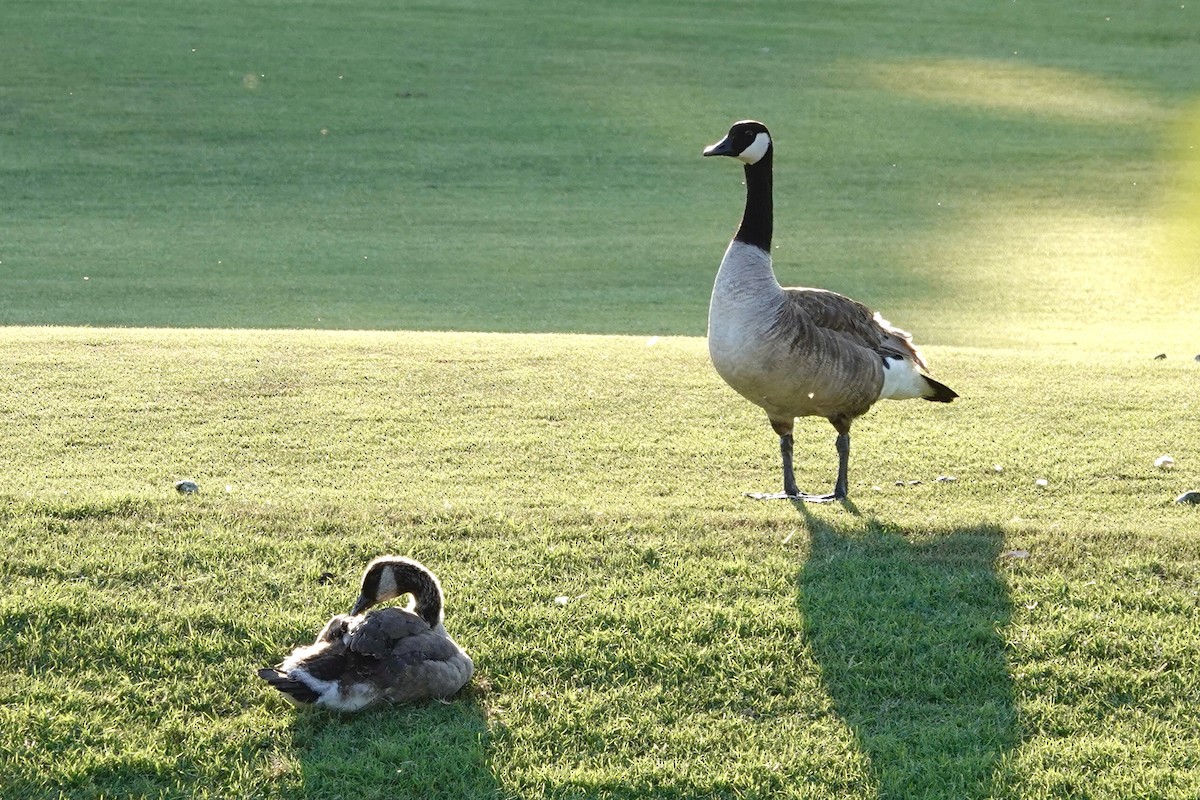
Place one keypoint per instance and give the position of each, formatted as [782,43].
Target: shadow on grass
[907,633]
[426,750]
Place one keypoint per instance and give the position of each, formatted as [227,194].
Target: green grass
[501,167]
[708,645]
[1016,182]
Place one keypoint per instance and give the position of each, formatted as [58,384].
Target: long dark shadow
[907,631]
[430,750]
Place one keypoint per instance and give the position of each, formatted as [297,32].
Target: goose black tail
[941,392]
[300,692]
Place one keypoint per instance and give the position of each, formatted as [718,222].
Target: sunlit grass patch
[1033,274]
[1020,89]
[639,627]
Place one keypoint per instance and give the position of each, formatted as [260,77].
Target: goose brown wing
[428,646]
[852,320]
[326,663]
[380,632]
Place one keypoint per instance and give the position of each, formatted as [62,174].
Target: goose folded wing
[380,631]
[853,321]
[426,647]
[426,665]
[326,663]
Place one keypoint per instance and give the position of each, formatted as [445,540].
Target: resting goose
[390,654]
[799,352]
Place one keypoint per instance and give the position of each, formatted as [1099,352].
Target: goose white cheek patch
[387,584]
[756,150]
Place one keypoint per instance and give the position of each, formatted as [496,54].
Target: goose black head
[389,577]
[748,141]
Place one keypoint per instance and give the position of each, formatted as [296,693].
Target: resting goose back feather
[799,352]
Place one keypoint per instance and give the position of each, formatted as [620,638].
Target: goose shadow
[431,749]
[908,635]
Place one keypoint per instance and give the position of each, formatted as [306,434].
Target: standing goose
[391,654]
[799,352]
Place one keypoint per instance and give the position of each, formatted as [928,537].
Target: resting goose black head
[748,141]
[388,577]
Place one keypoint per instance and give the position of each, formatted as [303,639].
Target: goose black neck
[427,602]
[425,590]
[758,218]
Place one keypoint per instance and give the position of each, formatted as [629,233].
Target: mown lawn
[993,175]
[238,238]
[640,628]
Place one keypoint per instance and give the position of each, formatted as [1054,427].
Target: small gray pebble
[1198,357]
[186,487]
[1192,497]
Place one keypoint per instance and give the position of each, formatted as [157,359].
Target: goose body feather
[798,352]
[386,655]
[794,352]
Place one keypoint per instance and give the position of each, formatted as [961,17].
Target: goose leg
[841,489]
[790,491]
[789,476]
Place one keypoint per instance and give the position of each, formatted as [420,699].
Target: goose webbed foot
[802,496]
[769,496]
[823,498]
